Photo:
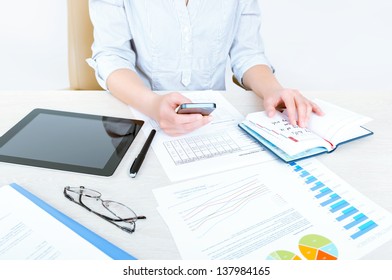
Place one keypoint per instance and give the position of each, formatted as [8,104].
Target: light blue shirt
[173,46]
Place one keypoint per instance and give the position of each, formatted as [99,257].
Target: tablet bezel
[110,166]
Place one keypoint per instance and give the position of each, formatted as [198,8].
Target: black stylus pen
[140,158]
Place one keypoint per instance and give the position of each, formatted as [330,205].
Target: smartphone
[196,108]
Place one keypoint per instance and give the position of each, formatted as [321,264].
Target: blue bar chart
[333,198]
[323,192]
[349,216]
[347,213]
[317,186]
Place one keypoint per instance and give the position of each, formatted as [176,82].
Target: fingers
[288,99]
[270,106]
[177,124]
[298,108]
[316,109]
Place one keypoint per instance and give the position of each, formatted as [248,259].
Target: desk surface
[366,164]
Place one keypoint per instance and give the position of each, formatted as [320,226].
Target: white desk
[365,164]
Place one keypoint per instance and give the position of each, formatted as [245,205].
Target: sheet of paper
[218,146]
[338,124]
[273,211]
[29,233]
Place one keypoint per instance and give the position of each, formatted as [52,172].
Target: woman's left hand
[298,107]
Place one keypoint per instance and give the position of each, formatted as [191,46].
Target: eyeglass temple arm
[137,218]
[67,195]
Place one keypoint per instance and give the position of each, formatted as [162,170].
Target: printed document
[218,146]
[27,232]
[273,211]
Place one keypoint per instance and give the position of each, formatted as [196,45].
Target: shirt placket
[186,42]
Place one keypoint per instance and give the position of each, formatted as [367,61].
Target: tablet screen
[69,141]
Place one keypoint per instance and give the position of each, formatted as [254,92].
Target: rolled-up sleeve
[111,49]
[247,49]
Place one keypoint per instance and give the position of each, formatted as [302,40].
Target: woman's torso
[181,46]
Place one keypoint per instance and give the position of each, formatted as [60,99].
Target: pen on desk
[139,159]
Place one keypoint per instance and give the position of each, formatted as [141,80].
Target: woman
[178,45]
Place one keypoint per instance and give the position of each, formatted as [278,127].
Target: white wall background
[330,44]
[313,44]
[33,44]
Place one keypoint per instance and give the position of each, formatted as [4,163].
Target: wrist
[266,92]
[153,103]
[261,81]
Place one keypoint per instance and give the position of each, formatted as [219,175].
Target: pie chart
[317,247]
[283,255]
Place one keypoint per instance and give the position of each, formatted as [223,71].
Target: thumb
[269,108]
[178,98]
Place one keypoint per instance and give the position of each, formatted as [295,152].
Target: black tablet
[68,141]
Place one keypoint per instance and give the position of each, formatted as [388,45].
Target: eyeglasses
[114,212]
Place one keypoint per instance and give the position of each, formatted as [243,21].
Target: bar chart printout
[351,219]
[308,214]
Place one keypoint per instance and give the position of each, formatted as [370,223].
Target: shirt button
[188,38]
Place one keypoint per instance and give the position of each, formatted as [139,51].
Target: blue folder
[105,246]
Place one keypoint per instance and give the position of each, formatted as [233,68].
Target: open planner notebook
[323,133]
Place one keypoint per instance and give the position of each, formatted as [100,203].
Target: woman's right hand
[127,86]
[172,123]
